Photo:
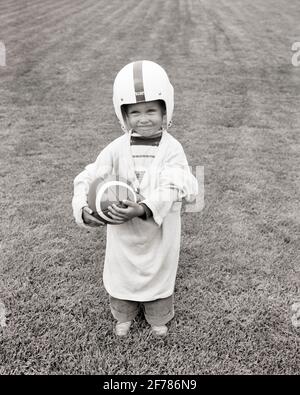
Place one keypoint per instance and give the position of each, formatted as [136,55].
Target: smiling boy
[146,118]
[142,248]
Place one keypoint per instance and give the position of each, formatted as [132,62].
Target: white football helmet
[139,82]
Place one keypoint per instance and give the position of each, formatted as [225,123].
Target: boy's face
[145,118]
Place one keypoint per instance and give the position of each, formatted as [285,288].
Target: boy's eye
[136,112]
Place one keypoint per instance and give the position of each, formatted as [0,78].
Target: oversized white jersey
[141,256]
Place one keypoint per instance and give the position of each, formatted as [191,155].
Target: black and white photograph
[150,190]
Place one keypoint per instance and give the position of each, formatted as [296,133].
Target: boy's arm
[176,182]
[147,212]
[102,167]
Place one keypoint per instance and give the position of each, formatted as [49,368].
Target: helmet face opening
[149,114]
[142,81]
[161,103]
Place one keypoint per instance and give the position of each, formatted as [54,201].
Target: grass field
[236,113]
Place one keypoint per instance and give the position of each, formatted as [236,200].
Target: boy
[142,248]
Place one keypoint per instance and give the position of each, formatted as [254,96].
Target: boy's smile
[145,118]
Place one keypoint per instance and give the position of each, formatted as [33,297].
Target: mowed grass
[236,114]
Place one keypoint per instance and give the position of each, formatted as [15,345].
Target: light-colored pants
[157,312]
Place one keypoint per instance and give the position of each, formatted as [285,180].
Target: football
[105,192]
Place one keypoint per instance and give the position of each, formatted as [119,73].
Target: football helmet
[142,81]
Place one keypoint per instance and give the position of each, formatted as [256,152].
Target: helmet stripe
[138,81]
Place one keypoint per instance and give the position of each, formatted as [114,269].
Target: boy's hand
[90,219]
[125,214]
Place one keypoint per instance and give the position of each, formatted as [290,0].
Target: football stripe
[138,81]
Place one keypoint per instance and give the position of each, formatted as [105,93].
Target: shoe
[122,328]
[159,331]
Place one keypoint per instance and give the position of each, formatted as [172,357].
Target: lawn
[236,114]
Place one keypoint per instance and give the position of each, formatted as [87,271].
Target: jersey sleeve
[102,167]
[176,182]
